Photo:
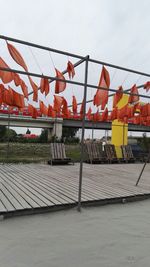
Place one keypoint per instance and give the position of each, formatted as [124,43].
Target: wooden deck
[33,188]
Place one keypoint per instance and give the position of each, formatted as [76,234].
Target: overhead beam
[64,72]
[67,81]
[72,55]
[111,95]
[40,47]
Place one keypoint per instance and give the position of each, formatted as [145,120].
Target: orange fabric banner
[101,96]
[70,70]
[59,86]
[74,105]
[5,76]
[133,98]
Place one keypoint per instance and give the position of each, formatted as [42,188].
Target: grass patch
[33,153]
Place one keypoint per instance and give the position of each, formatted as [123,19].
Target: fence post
[83,130]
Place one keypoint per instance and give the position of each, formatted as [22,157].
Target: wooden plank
[15,202]
[27,202]
[28,189]
[71,183]
[53,197]
[68,183]
[39,185]
[5,204]
[2,207]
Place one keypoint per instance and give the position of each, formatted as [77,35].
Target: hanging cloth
[147,86]
[65,110]
[51,112]
[58,101]
[117,97]
[5,76]
[2,90]
[44,86]
[15,54]
[33,111]
[97,116]
[89,114]
[43,109]
[133,98]
[59,86]
[101,96]
[104,116]
[74,105]
[70,70]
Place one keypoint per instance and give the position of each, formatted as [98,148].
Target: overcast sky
[113,31]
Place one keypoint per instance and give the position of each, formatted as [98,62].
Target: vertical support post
[147,160]
[123,133]
[92,131]
[8,127]
[83,130]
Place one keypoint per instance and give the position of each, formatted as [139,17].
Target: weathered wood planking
[31,186]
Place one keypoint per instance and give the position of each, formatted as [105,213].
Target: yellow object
[120,130]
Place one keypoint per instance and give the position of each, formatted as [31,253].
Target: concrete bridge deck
[45,122]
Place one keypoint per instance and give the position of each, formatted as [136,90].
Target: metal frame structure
[85,85]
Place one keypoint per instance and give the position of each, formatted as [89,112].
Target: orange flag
[9,76]
[8,97]
[97,116]
[81,109]
[133,98]
[122,112]
[5,76]
[65,110]
[70,70]
[17,79]
[104,115]
[35,89]
[118,95]
[113,114]
[2,90]
[59,86]
[101,96]
[130,111]
[44,86]
[15,54]
[89,113]
[74,105]
[12,98]
[147,86]
[24,89]
[33,111]
[18,99]
[58,101]
[145,110]
[51,112]
[43,108]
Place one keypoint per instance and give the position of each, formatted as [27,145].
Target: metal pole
[92,131]
[123,133]
[40,46]
[118,67]
[83,130]
[71,55]
[8,127]
[143,169]
[63,72]
[69,81]
[110,95]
